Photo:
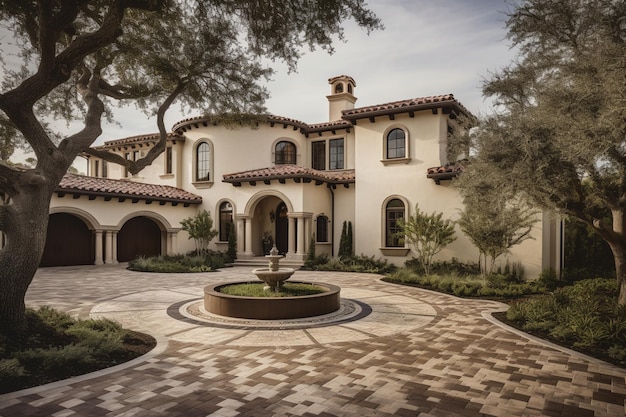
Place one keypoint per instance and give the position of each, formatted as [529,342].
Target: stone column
[114,247]
[108,247]
[301,251]
[241,223]
[98,260]
[248,244]
[174,248]
[291,249]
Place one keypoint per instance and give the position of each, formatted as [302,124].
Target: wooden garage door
[140,236]
[69,242]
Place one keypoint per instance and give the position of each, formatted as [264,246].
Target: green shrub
[618,352]
[549,278]
[57,361]
[58,346]
[192,262]
[360,263]
[103,336]
[453,266]
[11,370]
[584,316]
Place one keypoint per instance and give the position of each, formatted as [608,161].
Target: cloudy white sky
[428,47]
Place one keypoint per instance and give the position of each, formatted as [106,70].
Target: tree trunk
[619,255]
[26,222]
[617,243]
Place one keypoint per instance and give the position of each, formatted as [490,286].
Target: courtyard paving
[395,351]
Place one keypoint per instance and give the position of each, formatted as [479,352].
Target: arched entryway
[69,241]
[140,236]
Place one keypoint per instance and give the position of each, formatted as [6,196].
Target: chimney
[341,96]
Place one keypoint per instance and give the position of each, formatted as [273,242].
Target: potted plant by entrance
[267,242]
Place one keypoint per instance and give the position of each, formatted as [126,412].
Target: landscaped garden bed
[58,347]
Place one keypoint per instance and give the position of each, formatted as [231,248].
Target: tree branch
[9,177]
[157,149]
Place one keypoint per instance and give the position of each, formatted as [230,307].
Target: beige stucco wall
[363,203]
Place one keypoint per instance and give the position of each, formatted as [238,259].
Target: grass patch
[59,347]
[181,263]
[288,289]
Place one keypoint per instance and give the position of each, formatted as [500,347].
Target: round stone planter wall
[271,308]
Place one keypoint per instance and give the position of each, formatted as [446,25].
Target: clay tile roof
[151,137]
[291,171]
[186,124]
[105,187]
[446,172]
[337,124]
[403,106]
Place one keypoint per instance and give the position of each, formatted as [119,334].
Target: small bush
[453,266]
[103,336]
[193,262]
[360,263]
[11,371]
[59,362]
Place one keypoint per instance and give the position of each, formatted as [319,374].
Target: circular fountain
[271,308]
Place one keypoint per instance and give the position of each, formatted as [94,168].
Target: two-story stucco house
[366,165]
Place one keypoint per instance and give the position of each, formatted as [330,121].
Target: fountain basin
[273,277]
[271,308]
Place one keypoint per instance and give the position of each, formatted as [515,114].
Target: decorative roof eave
[446,172]
[124,196]
[204,121]
[446,102]
[149,139]
[79,185]
[300,174]
[328,127]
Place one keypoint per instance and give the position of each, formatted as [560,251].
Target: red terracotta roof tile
[403,106]
[291,171]
[81,184]
[151,137]
[446,172]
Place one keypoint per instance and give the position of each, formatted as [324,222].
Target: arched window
[321,234]
[226,220]
[203,161]
[395,144]
[338,88]
[285,153]
[393,212]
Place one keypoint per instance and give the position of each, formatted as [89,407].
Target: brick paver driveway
[410,352]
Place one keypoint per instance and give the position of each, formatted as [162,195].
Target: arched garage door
[69,242]
[140,236]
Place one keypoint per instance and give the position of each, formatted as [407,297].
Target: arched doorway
[68,242]
[140,236]
[282,228]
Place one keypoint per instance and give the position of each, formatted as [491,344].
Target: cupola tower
[341,96]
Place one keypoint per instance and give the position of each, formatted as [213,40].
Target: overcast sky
[428,47]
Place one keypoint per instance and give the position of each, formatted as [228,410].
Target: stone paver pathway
[410,353]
